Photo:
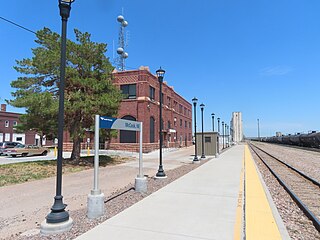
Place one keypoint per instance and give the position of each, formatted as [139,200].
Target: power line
[29,30]
[17,25]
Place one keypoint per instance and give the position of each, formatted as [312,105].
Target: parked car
[7,144]
[26,150]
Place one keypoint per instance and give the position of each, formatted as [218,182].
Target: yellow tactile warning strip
[239,211]
[259,221]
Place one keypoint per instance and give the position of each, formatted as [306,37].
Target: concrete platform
[206,203]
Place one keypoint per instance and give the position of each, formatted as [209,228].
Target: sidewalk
[25,205]
[200,205]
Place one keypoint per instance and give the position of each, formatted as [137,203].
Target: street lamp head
[218,119]
[194,100]
[160,73]
[65,7]
[202,106]
[67,2]
[212,114]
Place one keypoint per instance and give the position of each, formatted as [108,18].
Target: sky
[259,57]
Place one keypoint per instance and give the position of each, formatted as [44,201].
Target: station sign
[117,123]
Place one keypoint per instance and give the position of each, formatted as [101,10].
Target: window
[180,108]
[185,111]
[180,122]
[189,124]
[6,123]
[175,122]
[207,139]
[129,91]
[169,125]
[175,105]
[152,93]
[185,124]
[15,123]
[18,139]
[169,101]
[128,136]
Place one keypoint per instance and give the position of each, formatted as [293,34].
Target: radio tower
[122,44]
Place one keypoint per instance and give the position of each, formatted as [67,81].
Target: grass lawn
[28,171]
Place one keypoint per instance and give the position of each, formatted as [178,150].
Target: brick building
[8,121]
[141,103]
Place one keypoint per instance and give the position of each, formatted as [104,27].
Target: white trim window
[6,123]
[15,123]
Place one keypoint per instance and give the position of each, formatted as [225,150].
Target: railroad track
[310,149]
[304,190]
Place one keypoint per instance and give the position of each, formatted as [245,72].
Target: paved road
[50,156]
[24,206]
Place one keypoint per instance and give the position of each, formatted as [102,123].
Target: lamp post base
[140,184]
[54,228]
[196,160]
[160,173]
[95,205]
[160,177]
[203,156]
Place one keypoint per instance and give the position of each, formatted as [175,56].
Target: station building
[141,103]
[8,122]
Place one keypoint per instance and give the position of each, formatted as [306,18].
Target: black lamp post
[194,101]
[227,139]
[218,125]
[58,213]
[222,135]
[212,114]
[160,73]
[202,136]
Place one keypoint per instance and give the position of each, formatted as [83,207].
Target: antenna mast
[122,43]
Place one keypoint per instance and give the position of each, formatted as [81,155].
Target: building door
[128,136]
[152,122]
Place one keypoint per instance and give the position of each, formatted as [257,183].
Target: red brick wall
[142,108]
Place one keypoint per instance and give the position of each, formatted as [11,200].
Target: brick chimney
[3,107]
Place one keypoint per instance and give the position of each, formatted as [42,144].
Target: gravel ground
[304,160]
[297,224]
[115,203]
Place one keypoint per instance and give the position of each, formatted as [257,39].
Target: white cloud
[276,70]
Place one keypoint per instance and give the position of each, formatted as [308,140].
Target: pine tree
[88,86]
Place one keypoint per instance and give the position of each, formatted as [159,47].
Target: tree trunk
[76,149]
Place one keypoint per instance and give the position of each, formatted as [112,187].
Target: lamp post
[222,135]
[227,133]
[202,136]
[229,144]
[212,114]
[58,215]
[218,125]
[160,73]
[195,159]
[258,129]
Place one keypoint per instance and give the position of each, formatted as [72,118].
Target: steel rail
[302,206]
[289,166]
